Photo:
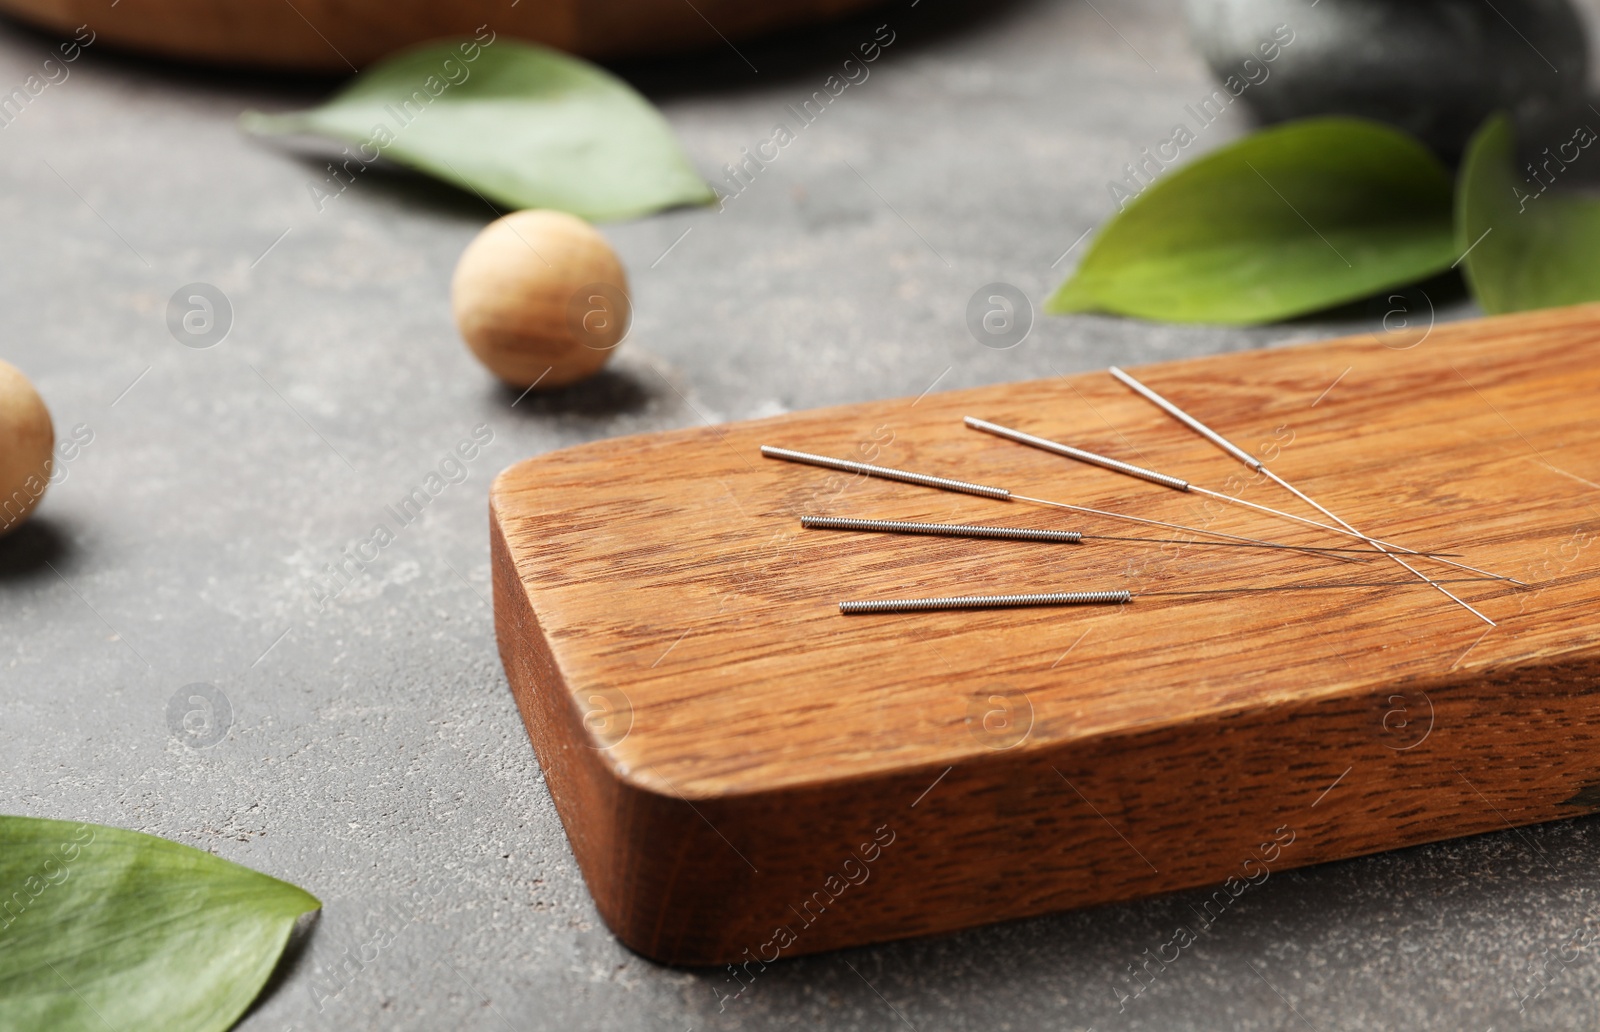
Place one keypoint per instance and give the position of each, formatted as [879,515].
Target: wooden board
[337,35]
[745,774]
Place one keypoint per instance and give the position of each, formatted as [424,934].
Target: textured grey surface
[374,752]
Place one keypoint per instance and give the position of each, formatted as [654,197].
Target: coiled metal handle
[922,479]
[1078,453]
[1071,537]
[926,605]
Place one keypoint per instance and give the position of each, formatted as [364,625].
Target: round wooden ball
[26,441]
[540,298]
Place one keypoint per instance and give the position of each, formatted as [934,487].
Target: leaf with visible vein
[101,927]
[523,125]
[1286,221]
[1524,249]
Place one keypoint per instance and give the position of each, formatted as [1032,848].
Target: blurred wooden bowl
[336,35]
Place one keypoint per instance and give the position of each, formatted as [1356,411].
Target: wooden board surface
[723,746]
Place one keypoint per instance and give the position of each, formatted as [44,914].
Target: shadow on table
[605,395]
[33,549]
[384,179]
[1398,311]
[809,54]
[289,963]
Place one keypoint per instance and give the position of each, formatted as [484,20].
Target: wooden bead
[26,441]
[540,297]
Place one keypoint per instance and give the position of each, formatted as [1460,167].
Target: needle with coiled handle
[1004,495]
[1179,484]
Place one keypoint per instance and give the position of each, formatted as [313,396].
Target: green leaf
[1527,246]
[523,125]
[103,927]
[1286,221]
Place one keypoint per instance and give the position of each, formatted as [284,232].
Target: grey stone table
[369,748]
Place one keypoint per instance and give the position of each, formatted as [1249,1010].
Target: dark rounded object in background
[1435,68]
[336,36]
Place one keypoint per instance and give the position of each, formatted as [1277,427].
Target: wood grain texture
[334,35]
[721,743]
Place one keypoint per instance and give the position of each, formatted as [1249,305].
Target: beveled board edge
[1512,749]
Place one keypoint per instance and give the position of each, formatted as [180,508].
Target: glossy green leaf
[523,125]
[1286,221]
[104,928]
[1527,244]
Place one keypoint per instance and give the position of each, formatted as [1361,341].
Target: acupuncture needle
[1003,495]
[1080,598]
[1179,484]
[992,533]
[1255,464]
